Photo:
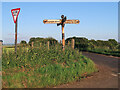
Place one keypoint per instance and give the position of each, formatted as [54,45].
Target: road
[107,77]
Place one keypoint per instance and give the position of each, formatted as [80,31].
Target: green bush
[109,47]
[43,41]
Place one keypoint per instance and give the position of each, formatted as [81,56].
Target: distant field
[11,48]
[8,48]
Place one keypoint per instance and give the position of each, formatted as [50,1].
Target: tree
[80,42]
[118,46]
[23,43]
[93,42]
[113,41]
[39,40]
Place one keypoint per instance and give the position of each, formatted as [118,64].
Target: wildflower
[8,62]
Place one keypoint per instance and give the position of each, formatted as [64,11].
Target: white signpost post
[15,13]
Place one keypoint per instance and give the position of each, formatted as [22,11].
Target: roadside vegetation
[110,47]
[39,67]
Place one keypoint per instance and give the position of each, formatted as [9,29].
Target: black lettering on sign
[15,13]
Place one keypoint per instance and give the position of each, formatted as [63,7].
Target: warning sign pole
[15,13]
[16,37]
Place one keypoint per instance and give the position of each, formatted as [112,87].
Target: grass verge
[39,67]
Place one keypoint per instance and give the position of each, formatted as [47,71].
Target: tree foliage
[85,44]
[23,43]
[39,40]
[81,43]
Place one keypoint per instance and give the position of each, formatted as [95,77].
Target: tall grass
[40,67]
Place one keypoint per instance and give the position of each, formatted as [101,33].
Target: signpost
[61,22]
[15,13]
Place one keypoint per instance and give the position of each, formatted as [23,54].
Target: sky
[98,20]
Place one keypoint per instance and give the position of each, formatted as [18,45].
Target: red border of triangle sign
[15,13]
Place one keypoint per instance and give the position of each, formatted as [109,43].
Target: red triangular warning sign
[15,13]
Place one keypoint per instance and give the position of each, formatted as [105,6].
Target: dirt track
[107,77]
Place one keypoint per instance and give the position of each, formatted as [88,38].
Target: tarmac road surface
[107,77]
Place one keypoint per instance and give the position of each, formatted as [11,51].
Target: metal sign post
[63,39]
[15,13]
[16,37]
[61,22]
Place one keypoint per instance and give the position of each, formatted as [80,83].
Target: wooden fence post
[40,44]
[68,43]
[32,44]
[73,44]
[60,41]
[48,44]
[54,42]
